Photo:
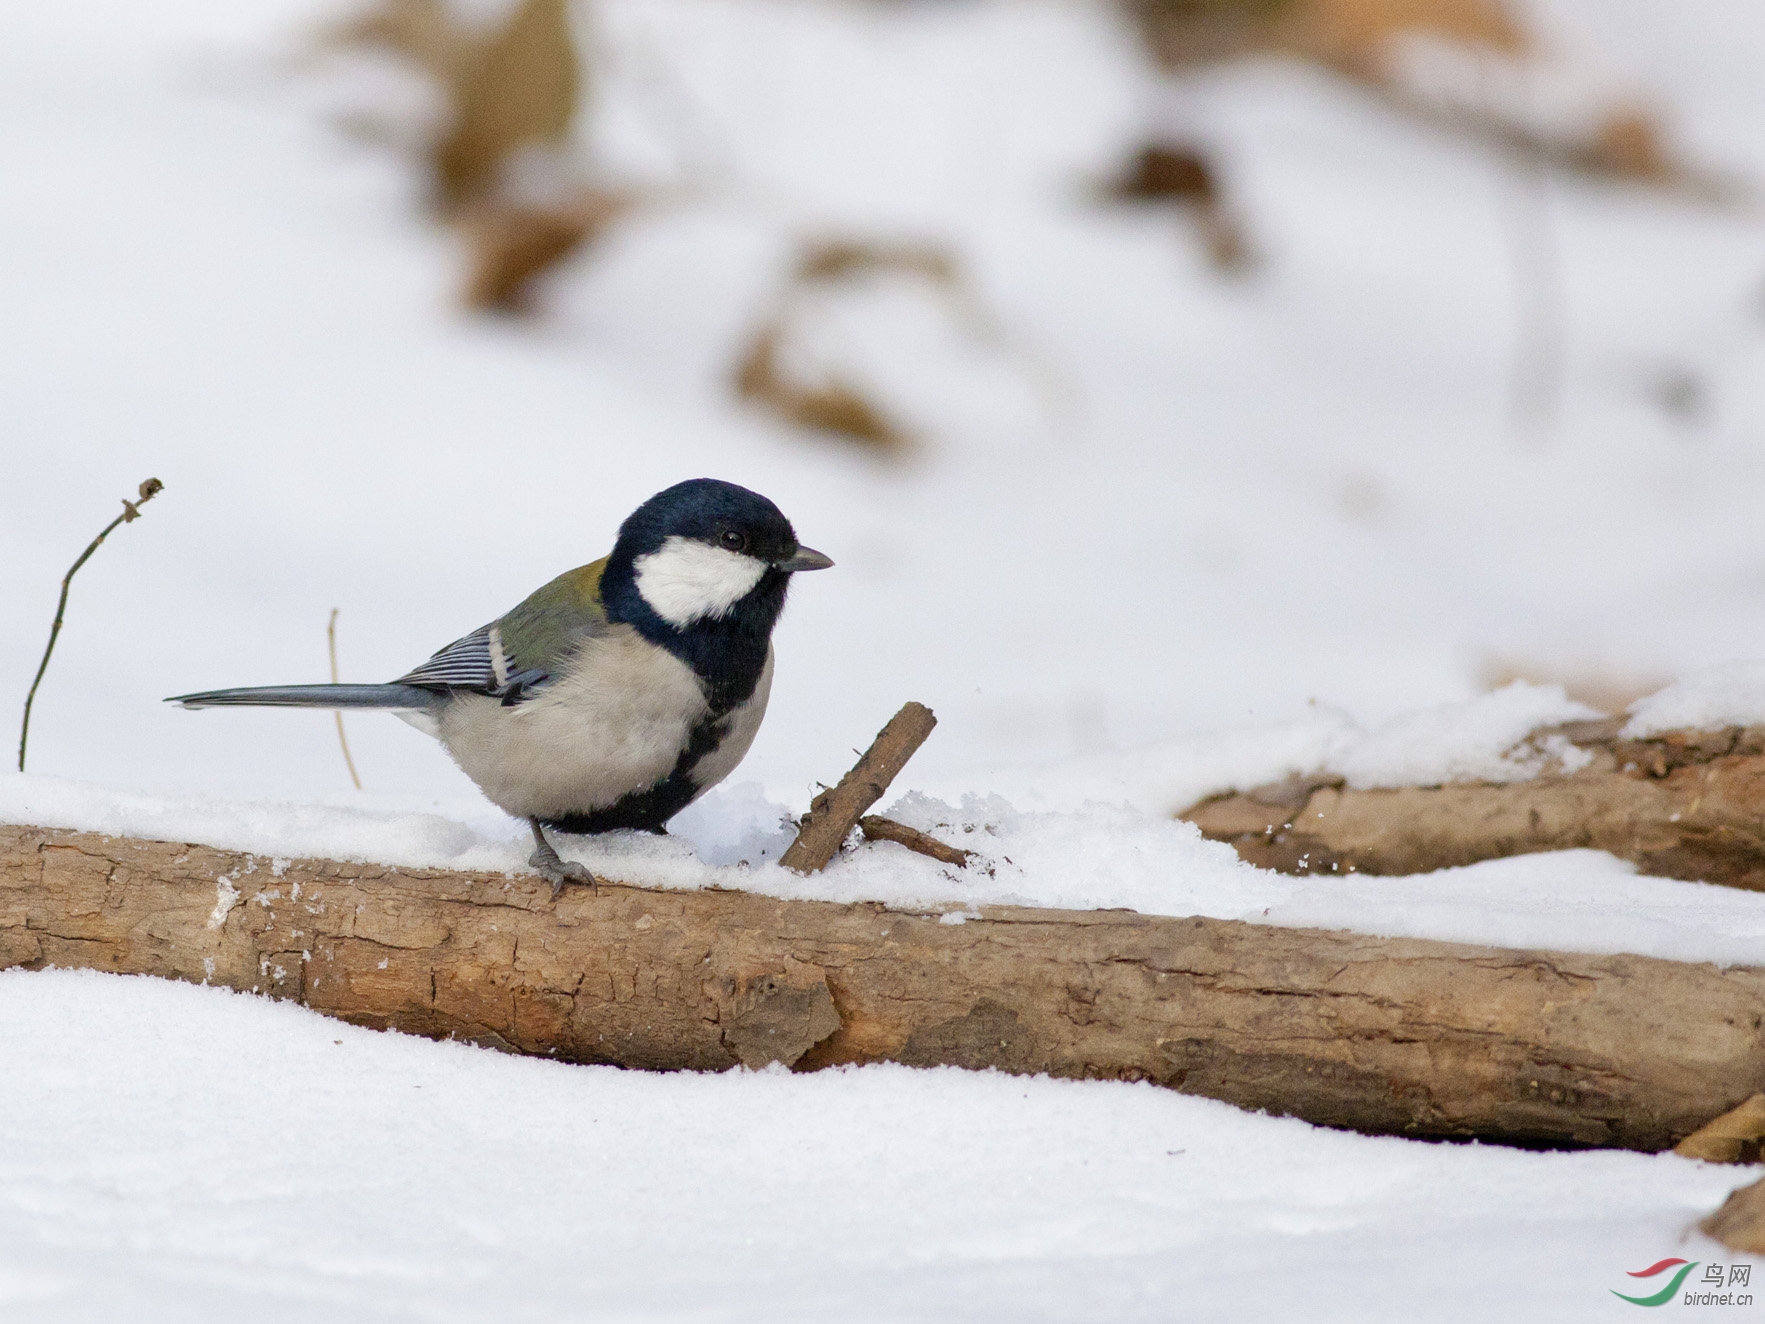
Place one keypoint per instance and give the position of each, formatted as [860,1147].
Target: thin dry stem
[343,740]
[131,511]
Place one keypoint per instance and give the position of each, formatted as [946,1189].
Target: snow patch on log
[1483,740]
[1711,699]
[226,896]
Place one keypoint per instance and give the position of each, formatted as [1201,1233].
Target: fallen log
[1685,804]
[1379,1035]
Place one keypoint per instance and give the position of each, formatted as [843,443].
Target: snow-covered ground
[1258,525]
[169,1152]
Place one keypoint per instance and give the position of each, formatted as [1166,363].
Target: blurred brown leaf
[423,31]
[510,245]
[835,406]
[1159,171]
[829,406]
[841,259]
[1357,35]
[1185,175]
[1353,35]
[1740,1223]
[1628,142]
[1363,40]
[518,89]
[508,90]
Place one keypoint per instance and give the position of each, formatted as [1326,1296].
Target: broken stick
[834,813]
[877,828]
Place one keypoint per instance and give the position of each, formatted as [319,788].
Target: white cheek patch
[688,580]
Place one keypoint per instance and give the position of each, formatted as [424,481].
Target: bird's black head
[718,514]
[701,569]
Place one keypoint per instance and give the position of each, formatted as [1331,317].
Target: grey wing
[477,663]
[465,664]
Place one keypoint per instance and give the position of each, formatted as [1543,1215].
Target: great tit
[621,691]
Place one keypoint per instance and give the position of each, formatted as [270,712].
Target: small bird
[621,691]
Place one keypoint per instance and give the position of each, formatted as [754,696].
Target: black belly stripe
[648,810]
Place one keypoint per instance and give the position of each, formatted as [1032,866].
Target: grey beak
[807,558]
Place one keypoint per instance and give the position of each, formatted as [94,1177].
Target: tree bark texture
[1380,1035]
[1686,804]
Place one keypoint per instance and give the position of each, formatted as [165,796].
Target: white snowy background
[1268,523]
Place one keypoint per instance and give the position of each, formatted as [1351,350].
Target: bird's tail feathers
[395,697]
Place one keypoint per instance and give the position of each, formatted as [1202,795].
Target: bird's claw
[552,867]
[557,871]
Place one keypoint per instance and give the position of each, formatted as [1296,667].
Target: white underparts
[612,722]
[687,580]
[421,718]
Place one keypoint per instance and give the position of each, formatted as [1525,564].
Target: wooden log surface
[1380,1035]
[1685,804]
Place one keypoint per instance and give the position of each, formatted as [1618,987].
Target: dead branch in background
[1684,804]
[1384,1035]
[834,813]
[342,740]
[131,512]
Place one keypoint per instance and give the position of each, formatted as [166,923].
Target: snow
[1162,533]
[1472,741]
[281,1166]
[1097,855]
[1731,694]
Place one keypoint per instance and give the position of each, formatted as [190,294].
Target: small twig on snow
[877,828]
[131,511]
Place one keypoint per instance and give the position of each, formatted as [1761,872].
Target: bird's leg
[553,869]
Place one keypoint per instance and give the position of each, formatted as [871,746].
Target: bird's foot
[555,869]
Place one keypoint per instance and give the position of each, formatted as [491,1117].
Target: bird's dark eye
[733,541]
